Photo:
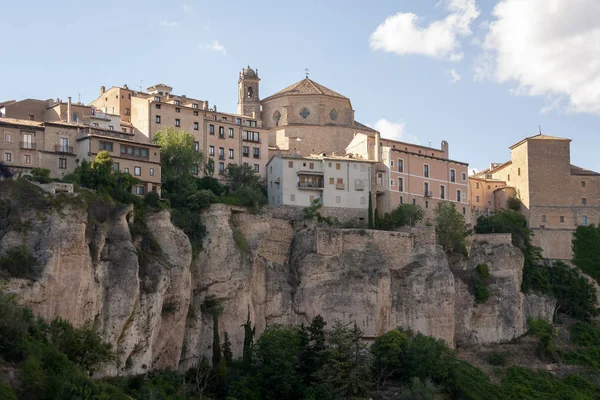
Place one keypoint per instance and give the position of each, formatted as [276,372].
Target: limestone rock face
[147,294]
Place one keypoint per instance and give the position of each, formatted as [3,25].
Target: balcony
[318,185]
[256,155]
[59,148]
[133,156]
[340,186]
[221,156]
[28,145]
[253,140]
[246,154]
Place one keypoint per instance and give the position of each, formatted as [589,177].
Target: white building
[342,184]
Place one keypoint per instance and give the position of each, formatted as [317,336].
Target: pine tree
[249,332]
[227,354]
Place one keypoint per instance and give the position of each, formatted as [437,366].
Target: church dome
[249,72]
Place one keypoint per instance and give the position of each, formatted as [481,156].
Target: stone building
[304,118]
[556,196]
[341,184]
[223,138]
[412,174]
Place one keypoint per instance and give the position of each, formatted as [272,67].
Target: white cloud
[454,76]
[547,47]
[394,131]
[187,8]
[215,46]
[168,24]
[402,34]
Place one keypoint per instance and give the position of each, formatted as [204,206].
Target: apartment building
[412,174]
[223,138]
[341,184]
[556,196]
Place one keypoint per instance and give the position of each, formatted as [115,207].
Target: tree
[387,353]
[513,203]
[244,186]
[5,172]
[312,347]
[249,332]
[404,215]
[212,306]
[18,262]
[586,250]
[451,227]
[276,352]
[545,332]
[227,354]
[178,156]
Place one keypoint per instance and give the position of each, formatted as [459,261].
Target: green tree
[178,157]
[451,227]
[545,332]
[387,356]
[404,215]
[249,332]
[212,306]
[586,250]
[227,354]
[276,352]
[312,349]
[18,262]
[5,172]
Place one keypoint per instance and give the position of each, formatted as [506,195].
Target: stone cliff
[145,291]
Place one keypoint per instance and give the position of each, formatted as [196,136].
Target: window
[256,168]
[127,111]
[31,117]
[8,137]
[338,166]
[126,170]
[585,220]
[508,178]
[311,165]
[158,119]
[400,165]
[252,124]
[290,164]
[340,181]
[75,117]
[477,185]
[197,146]
[196,126]
[108,146]
[582,184]
[27,159]
[231,153]
[458,196]
[452,175]
[426,171]
[401,184]
[256,152]
[95,125]
[158,106]
[391,163]
[426,191]
[414,202]
[151,171]
[156,98]
[195,113]
[7,156]
[251,136]
[177,109]
[246,164]
[64,145]
[477,199]
[124,130]
[584,201]
[338,199]
[392,182]
[195,105]
[401,200]
[211,129]
[292,198]
[238,121]
[177,102]
[442,192]
[62,163]
[138,152]
[221,168]
[329,165]
[543,219]
[562,219]
[464,176]
[519,171]
[246,152]
[331,181]
[139,190]
[195,170]
[115,166]
[221,153]
[221,132]
[177,122]
[27,141]
[231,132]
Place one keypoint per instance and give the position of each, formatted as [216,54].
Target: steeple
[248,97]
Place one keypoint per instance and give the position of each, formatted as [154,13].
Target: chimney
[215,106]
[102,89]
[69,109]
[205,105]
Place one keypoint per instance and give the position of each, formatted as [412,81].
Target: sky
[480,74]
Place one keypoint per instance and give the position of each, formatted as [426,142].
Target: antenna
[540,128]
[306,72]
[141,85]
[79,97]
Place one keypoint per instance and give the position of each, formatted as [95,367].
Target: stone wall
[295,213]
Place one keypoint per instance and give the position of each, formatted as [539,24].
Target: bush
[6,393]
[240,240]
[404,215]
[20,263]
[585,334]
[586,250]
[497,359]
[483,271]
[470,383]
[451,227]
[514,203]
[545,332]
[41,175]
[482,294]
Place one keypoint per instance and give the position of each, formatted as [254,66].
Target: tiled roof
[575,170]
[22,122]
[539,136]
[303,87]
[363,127]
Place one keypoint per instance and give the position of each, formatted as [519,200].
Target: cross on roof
[306,72]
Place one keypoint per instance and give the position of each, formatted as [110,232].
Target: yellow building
[556,196]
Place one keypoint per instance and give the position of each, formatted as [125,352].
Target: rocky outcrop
[146,293]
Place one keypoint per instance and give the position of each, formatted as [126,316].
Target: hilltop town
[305,145]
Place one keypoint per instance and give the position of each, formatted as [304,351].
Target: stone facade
[556,196]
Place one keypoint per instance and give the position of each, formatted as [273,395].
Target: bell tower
[248,99]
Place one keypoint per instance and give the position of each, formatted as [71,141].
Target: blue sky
[480,74]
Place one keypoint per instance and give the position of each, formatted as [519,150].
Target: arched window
[250,92]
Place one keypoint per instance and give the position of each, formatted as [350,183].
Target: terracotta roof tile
[575,170]
[304,87]
[22,122]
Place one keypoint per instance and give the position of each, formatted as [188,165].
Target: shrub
[6,393]
[240,240]
[497,359]
[20,263]
[513,203]
[586,250]
[468,382]
[404,215]
[545,332]
[483,271]
[482,294]
[451,227]
[585,334]
[41,175]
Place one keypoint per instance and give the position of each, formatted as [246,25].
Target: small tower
[248,99]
